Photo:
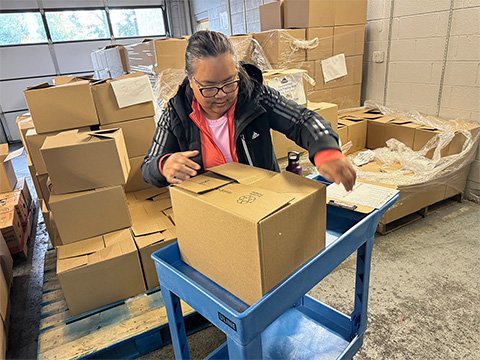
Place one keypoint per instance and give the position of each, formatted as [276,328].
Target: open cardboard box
[247,228]
[98,271]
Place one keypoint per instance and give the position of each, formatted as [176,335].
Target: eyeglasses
[212,91]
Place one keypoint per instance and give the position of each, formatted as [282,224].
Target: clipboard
[364,198]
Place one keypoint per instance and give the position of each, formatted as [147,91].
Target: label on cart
[227,321]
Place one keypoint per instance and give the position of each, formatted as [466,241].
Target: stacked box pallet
[305,36]
[16,207]
[100,237]
[363,130]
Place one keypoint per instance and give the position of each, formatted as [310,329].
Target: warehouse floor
[424,293]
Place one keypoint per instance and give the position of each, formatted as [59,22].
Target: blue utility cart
[285,323]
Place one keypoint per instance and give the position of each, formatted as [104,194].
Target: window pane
[21,28]
[137,22]
[77,25]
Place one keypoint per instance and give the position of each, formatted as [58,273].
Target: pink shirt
[219,131]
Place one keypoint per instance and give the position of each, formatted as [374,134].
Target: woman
[222,112]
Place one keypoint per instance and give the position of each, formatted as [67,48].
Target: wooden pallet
[125,329]
[384,229]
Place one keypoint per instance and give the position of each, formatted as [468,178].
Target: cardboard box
[8,179]
[324,49]
[34,143]
[308,13]
[135,180]
[90,213]
[242,44]
[169,54]
[45,185]
[50,225]
[111,60]
[345,97]
[350,12]
[79,161]
[61,107]
[326,110]
[99,271]
[6,261]
[402,131]
[141,56]
[376,132]
[107,106]
[138,135]
[271,15]
[33,172]
[349,40]
[277,45]
[12,230]
[24,123]
[147,245]
[353,77]
[23,188]
[356,133]
[342,132]
[308,66]
[14,201]
[289,83]
[252,237]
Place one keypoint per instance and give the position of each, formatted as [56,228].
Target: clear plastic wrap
[249,50]
[165,87]
[422,180]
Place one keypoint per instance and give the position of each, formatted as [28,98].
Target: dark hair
[206,43]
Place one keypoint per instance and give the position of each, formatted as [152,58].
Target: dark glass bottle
[294,163]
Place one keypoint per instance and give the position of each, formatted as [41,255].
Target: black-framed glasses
[212,91]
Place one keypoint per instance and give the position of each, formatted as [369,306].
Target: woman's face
[215,72]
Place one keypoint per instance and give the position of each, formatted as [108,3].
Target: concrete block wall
[431,49]
[432,60]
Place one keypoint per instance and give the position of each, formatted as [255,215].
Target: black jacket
[254,116]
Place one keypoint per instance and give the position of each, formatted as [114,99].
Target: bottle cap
[293,155]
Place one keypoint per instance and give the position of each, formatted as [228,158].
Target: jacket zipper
[245,148]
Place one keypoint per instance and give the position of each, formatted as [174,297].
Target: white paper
[369,195]
[132,91]
[364,157]
[334,67]
[14,154]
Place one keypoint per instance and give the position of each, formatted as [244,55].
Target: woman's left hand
[339,171]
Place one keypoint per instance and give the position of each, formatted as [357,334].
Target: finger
[192,164]
[179,167]
[190,153]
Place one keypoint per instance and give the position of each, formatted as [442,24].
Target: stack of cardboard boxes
[303,34]
[88,141]
[363,129]
[16,206]
[6,277]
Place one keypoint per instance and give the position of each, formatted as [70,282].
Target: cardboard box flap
[150,239]
[162,203]
[203,183]
[243,174]
[288,183]
[39,86]
[119,236]
[247,201]
[144,223]
[150,193]
[109,252]
[80,248]
[170,234]
[105,133]
[165,195]
[71,263]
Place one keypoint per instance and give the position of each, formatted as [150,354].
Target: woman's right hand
[179,167]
